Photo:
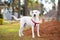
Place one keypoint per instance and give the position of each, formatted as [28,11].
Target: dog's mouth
[34,15]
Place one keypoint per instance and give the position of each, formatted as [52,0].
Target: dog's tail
[15,17]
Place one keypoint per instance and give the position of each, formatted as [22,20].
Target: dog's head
[34,13]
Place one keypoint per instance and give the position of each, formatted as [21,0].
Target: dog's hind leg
[20,33]
[21,30]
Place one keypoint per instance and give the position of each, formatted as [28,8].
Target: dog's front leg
[33,32]
[38,30]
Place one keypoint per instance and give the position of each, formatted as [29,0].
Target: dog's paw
[22,34]
[38,35]
[33,36]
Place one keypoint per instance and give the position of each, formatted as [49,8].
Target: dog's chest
[28,21]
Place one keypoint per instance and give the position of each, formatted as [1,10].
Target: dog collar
[34,23]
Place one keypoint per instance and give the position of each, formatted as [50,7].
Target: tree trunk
[25,7]
[0,0]
[19,11]
[12,7]
[0,11]
[58,12]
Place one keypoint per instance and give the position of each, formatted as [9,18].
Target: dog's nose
[34,15]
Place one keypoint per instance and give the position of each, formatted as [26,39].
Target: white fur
[28,21]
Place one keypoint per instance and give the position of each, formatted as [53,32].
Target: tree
[58,12]
[30,4]
[0,0]
[25,7]
[12,7]
[42,9]
[19,11]
[53,1]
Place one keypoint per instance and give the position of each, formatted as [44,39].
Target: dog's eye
[35,12]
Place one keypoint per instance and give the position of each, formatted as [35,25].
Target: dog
[31,21]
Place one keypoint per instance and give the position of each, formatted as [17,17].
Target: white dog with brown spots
[31,21]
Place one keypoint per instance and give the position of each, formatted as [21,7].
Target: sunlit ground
[48,31]
[9,31]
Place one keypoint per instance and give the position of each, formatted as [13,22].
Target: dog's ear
[38,12]
[31,12]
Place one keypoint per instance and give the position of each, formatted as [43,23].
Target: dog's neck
[35,18]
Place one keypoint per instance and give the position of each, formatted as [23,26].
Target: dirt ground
[48,30]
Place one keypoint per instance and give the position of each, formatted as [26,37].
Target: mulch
[50,30]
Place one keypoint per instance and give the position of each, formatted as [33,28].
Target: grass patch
[10,32]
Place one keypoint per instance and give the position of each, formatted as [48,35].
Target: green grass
[10,32]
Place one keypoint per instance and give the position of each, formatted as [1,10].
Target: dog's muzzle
[34,15]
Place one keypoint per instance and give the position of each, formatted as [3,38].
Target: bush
[1,19]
